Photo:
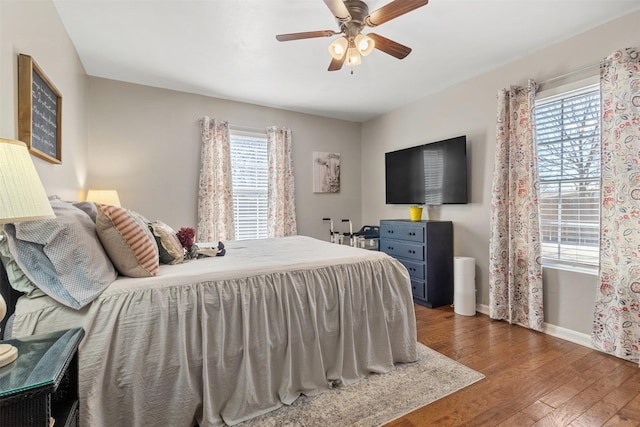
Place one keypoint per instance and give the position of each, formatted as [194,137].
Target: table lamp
[22,198]
[106,197]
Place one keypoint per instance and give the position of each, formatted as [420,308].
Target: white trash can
[464,286]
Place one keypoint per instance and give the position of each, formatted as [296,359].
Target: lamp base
[8,354]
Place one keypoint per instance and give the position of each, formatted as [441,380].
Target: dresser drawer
[401,249]
[418,289]
[415,269]
[402,231]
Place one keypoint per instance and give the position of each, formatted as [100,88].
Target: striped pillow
[127,240]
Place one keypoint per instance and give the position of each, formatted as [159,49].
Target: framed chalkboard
[39,111]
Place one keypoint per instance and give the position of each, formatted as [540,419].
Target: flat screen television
[429,174]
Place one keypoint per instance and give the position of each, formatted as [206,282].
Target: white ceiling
[227,48]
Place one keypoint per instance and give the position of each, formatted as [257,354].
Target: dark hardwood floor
[532,379]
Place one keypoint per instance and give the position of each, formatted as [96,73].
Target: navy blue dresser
[425,248]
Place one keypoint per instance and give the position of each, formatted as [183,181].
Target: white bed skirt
[222,340]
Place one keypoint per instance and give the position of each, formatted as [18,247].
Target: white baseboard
[553,330]
[482,308]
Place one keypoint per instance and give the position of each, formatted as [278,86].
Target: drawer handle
[390,248]
[412,251]
[390,231]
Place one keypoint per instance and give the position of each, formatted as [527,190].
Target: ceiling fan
[352,17]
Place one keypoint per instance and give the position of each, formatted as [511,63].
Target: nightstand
[40,388]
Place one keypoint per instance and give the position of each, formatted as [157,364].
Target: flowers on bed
[186,236]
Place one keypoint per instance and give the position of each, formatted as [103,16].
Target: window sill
[590,270]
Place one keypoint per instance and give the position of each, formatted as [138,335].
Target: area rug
[378,399]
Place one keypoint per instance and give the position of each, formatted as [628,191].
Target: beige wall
[469,108]
[145,142]
[34,28]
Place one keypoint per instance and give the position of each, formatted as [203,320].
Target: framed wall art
[39,111]
[326,172]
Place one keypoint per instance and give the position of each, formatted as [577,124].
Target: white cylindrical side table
[464,286]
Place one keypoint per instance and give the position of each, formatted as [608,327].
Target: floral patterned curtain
[215,201]
[515,273]
[616,328]
[281,219]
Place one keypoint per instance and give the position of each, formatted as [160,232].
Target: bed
[223,339]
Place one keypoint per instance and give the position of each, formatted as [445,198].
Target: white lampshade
[338,48]
[106,197]
[365,44]
[22,196]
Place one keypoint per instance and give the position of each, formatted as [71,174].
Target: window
[249,174]
[568,149]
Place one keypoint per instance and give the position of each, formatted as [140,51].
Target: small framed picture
[39,111]
[326,172]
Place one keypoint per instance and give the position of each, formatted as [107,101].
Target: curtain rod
[248,128]
[587,71]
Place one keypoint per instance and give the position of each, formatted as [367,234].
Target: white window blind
[249,174]
[433,164]
[568,149]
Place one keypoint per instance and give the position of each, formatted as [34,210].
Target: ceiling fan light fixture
[352,17]
[365,44]
[338,47]
[353,57]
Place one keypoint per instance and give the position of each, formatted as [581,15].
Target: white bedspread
[227,338]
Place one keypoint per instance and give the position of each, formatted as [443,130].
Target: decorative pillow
[169,247]
[128,241]
[62,256]
[89,208]
[17,279]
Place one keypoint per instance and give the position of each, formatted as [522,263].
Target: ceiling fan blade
[392,10]
[339,10]
[389,46]
[336,64]
[305,35]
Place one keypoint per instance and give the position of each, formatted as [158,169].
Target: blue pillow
[63,256]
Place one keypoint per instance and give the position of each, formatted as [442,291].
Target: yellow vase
[415,213]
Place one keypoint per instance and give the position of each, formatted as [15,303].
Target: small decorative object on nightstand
[40,388]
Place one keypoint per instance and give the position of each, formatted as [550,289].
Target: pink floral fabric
[515,273]
[616,327]
[281,219]
[215,201]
